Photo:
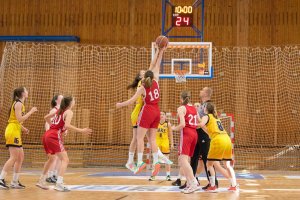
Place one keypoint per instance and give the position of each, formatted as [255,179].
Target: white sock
[43,177]
[130,157]
[16,177]
[155,157]
[180,177]
[60,180]
[140,157]
[3,174]
[160,154]
[50,173]
[168,173]
[232,182]
[212,181]
[55,172]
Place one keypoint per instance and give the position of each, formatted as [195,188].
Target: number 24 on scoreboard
[182,16]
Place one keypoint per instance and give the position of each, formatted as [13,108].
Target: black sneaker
[207,186]
[152,178]
[50,180]
[168,178]
[3,184]
[198,181]
[177,182]
[54,178]
[183,186]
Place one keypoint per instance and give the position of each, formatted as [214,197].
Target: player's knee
[52,158]
[66,160]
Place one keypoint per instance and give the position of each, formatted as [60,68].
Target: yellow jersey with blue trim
[214,126]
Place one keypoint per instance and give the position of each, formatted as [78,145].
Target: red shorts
[53,142]
[188,141]
[149,116]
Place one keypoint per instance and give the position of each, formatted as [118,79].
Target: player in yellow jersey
[13,138]
[164,137]
[220,148]
[137,82]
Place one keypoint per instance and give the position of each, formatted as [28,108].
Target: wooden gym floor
[119,184]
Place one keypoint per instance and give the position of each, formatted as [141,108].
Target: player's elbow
[20,119]
[182,125]
[68,126]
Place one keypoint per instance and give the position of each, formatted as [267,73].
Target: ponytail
[148,77]
[211,109]
[186,97]
[17,94]
[65,103]
[148,82]
[53,101]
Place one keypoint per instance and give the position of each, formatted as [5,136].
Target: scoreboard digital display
[182,16]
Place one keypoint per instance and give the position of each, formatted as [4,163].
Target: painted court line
[130,188]
[280,189]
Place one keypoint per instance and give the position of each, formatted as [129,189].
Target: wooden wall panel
[133,22]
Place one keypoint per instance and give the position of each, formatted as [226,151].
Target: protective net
[259,86]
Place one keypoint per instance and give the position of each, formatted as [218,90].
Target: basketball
[162,41]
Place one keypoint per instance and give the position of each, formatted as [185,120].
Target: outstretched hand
[119,105]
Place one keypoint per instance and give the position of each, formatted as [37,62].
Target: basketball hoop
[180,76]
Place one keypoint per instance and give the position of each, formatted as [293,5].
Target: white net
[259,86]
[180,76]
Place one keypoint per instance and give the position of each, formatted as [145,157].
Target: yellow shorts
[13,135]
[135,114]
[163,145]
[220,148]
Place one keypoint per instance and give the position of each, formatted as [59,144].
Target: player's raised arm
[156,67]
[138,93]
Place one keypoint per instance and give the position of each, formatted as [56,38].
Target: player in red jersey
[53,144]
[188,122]
[53,170]
[149,116]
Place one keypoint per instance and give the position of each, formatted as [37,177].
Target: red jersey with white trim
[191,117]
[58,122]
[152,94]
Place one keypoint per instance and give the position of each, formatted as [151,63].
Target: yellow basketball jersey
[214,126]
[162,131]
[12,116]
[140,98]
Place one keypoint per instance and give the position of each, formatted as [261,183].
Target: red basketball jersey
[58,122]
[191,118]
[152,94]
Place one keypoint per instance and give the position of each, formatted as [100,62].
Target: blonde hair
[208,91]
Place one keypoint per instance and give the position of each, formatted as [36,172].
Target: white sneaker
[191,189]
[164,160]
[16,185]
[42,184]
[131,167]
[61,188]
